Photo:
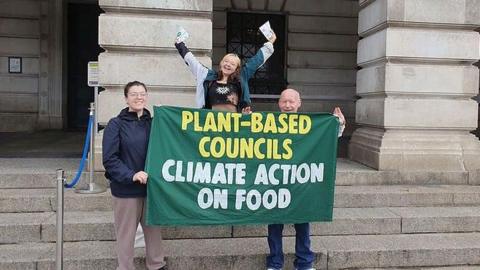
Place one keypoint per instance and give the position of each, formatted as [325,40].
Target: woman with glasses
[227,89]
[125,142]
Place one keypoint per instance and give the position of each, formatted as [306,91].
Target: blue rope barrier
[84,155]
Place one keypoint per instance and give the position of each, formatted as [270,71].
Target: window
[244,39]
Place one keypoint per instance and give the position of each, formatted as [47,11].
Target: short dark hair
[130,84]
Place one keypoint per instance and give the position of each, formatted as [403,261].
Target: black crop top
[220,93]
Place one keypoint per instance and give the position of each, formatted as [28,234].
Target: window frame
[284,70]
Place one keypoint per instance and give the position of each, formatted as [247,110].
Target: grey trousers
[128,212]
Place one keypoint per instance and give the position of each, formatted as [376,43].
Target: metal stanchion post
[59,250]
[92,186]
[95,101]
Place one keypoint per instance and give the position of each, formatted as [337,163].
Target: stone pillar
[138,38]
[51,96]
[416,83]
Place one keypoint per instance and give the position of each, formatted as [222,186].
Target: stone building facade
[32,99]
[402,70]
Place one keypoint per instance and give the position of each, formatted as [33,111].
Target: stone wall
[138,38]
[19,36]
[33,99]
[416,85]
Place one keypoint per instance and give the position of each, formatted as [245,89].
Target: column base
[17,122]
[417,151]
[49,122]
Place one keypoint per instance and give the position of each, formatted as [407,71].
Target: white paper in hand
[182,35]
[266,30]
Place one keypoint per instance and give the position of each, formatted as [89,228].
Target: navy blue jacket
[125,143]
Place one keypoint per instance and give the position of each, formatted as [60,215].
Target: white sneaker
[273,268]
[306,269]
[139,238]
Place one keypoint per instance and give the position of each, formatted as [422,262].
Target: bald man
[290,102]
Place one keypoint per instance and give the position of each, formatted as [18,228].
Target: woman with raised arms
[226,89]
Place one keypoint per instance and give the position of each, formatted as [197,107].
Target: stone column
[416,85]
[138,38]
[51,96]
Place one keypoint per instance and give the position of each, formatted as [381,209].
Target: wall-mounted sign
[14,64]
[93,74]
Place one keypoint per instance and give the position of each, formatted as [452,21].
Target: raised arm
[198,70]
[341,118]
[255,62]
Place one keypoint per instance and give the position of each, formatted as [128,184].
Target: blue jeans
[304,256]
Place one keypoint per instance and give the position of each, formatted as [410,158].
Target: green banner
[207,167]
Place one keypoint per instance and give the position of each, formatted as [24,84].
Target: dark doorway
[244,39]
[82,44]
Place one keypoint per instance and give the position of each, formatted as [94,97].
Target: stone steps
[332,252]
[343,178]
[42,180]
[98,225]
[44,200]
[429,222]
[40,173]
[457,267]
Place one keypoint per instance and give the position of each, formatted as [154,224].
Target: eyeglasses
[137,94]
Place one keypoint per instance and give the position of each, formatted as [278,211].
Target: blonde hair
[236,74]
